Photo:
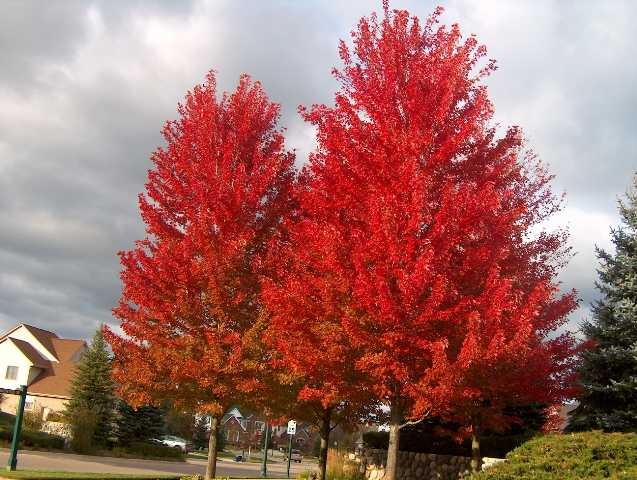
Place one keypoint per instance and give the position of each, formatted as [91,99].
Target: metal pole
[264,464]
[17,429]
[289,454]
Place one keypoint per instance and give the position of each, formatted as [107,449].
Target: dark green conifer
[609,369]
[91,408]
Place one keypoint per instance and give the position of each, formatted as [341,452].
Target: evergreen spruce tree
[609,369]
[91,410]
[143,423]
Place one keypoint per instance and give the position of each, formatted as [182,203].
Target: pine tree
[609,369]
[139,424]
[92,401]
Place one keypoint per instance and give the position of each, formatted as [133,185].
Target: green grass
[578,456]
[47,475]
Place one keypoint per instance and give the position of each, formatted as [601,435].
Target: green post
[264,464]
[17,429]
[289,453]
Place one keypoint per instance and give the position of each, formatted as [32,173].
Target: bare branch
[415,422]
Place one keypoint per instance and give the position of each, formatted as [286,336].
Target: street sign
[10,391]
[291,427]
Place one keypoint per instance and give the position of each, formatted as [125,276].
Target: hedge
[427,442]
[578,456]
[148,450]
[32,439]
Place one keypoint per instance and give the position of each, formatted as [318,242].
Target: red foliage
[190,302]
[422,231]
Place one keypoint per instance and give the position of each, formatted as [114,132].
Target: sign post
[17,427]
[291,431]
[264,465]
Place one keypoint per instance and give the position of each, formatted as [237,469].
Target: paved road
[84,463]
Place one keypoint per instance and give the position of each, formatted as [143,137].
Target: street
[68,462]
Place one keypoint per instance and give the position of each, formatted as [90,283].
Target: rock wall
[415,466]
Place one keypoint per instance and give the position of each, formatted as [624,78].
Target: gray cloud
[86,87]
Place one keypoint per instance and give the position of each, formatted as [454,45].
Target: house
[42,361]
[242,429]
[304,439]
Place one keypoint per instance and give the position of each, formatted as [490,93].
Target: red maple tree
[190,308]
[422,212]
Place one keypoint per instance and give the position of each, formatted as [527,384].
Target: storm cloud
[85,88]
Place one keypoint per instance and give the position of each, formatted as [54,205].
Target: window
[12,373]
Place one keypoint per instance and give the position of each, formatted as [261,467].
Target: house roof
[236,420]
[45,337]
[57,379]
[28,351]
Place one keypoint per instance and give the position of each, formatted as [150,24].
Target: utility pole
[264,465]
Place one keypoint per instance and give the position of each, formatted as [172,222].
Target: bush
[56,417]
[83,430]
[31,439]
[588,455]
[149,450]
[32,420]
[428,442]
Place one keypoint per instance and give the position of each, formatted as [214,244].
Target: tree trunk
[391,470]
[325,428]
[476,457]
[211,468]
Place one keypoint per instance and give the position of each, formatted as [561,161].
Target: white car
[175,442]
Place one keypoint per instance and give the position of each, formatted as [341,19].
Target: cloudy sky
[86,86]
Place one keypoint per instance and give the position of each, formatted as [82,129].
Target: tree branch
[415,422]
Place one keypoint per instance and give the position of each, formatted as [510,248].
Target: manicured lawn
[46,475]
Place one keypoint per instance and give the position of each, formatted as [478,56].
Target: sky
[85,87]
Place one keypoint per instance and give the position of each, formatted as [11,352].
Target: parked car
[175,442]
[297,456]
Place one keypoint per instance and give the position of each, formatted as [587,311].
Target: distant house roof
[56,376]
[43,336]
[57,379]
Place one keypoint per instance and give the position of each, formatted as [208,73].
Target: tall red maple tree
[429,210]
[190,307]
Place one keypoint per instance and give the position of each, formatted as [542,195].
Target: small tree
[92,404]
[609,369]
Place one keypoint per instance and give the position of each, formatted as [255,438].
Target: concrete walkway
[68,462]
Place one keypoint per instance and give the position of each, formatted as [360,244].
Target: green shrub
[32,420]
[83,430]
[149,450]
[428,442]
[56,417]
[587,455]
[31,439]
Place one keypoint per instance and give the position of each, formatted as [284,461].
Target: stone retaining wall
[415,466]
